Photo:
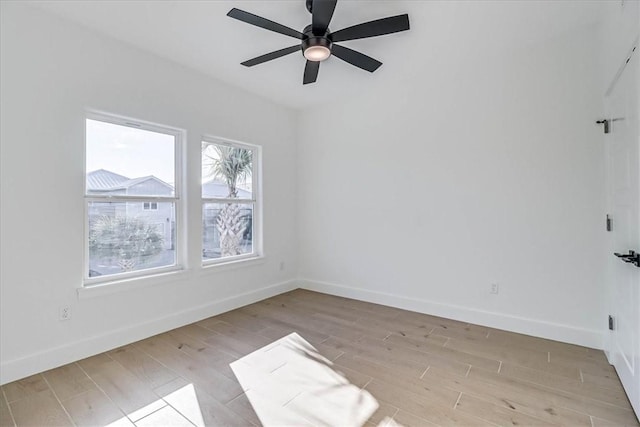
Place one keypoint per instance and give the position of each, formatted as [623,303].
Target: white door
[623,154]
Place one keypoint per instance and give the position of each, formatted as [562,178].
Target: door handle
[632,257]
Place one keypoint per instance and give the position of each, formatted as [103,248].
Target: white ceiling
[199,35]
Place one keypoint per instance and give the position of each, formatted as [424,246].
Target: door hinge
[607,123]
[604,122]
[609,223]
[611,323]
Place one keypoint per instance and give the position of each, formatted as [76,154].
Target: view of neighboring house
[159,214]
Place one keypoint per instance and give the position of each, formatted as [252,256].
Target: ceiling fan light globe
[317,53]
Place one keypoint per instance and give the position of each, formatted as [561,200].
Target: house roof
[104,180]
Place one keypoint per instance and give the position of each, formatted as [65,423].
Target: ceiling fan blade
[321,16]
[311,72]
[271,55]
[358,59]
[261,22]
[379,27]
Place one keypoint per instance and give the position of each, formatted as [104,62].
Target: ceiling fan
[317,43]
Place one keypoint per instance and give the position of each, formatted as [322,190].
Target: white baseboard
[538,328]
[12,370]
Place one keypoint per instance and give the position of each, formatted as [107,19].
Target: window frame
[257,238]
[180,234]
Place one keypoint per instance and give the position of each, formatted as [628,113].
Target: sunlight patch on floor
[289,383]
[180,407]
[186,400]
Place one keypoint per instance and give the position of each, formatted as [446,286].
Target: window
[132,198]
[230,202]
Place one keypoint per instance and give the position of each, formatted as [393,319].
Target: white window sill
[131,283]
[214,267]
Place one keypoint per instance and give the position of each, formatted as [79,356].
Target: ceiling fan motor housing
[312,41]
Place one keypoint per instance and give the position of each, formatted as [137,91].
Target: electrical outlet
[281,265]
[64,313]
[495,288]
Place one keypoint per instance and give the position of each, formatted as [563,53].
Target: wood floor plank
[94,362]
[405,419]
[142,366]
[353,376]
[285,328]
[514,340]
[364,330]
[590,362]
[345,303]
[465,333]
[25,387]
[433,411]
[412,384]
[375,354]
[241,320]
[599,422]
[559,398]
[213,382]
[446,352]
[39,409]
[403,353]
[241,405]
[529,358]
[274,331]
[238,341]
[330,310]
[129,393]
[94,408]
[196,331]
[496,414]
[505,395]
[6,419]
[290,315]
[378,368]
[202,353]
[412,316]
[579,388]
[415,330]
[609,381]
[68,381]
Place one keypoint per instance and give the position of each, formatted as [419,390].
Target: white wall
[51,72]
[470,168]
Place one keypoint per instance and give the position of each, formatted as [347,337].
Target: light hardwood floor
[422,370]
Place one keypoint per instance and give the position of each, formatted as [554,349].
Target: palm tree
[232,165]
